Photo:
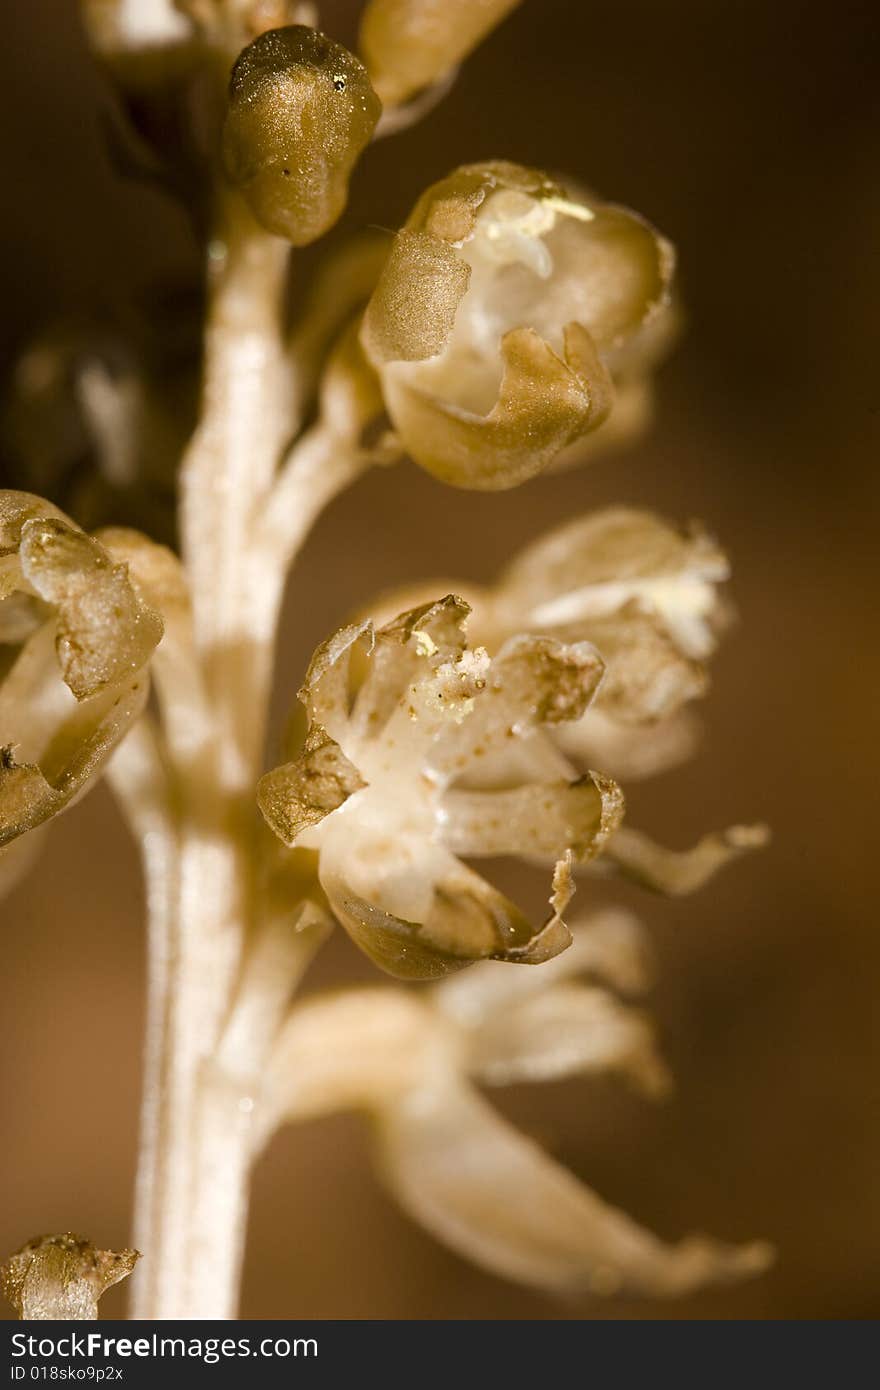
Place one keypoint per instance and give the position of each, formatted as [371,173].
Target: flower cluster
[420,750]
[646,596]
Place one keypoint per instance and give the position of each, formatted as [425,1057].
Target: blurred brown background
[748,132]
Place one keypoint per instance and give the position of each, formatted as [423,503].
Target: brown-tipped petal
[534,685]
[31,792]
[545,401]
[536,821]
[678,872]
[61,1278]
[106,633]
[498,1200]
[565,1030]
[301,111]
[539,680]
[409,44]
[412,310]
[301,793]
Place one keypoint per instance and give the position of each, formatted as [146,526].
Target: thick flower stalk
[510,327]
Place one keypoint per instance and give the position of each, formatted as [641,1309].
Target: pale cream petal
[407,649]
[352,1049]
[534,682]
[596,565]
[629,751]
[566,1030]
[677,872]
[498,1200]
[534,821]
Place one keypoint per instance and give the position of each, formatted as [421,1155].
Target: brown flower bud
[409,44]
[62,1277]
[301,110]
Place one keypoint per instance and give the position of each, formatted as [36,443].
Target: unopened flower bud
[409,44]
[301,110]
[61,1278]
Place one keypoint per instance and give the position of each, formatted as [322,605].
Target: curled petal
[105,631]
[454,916]
[497,1199]
[352,1049]
[610,946]
[544,402]
[677,872]
[534,821]
[326,691]
[61,1278]
[301,111]
[563,1030]
[300,794]
[32,792]
[410,44]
